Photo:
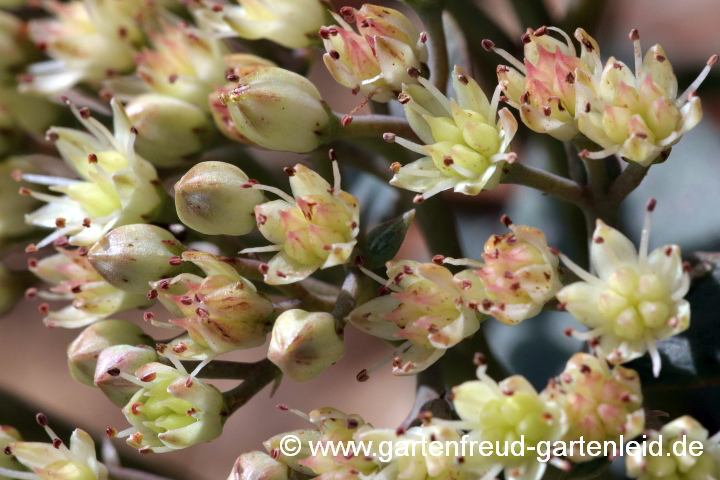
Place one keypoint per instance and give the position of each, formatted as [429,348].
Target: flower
[637,116]
[279,110]
[8,435]
[75,279]
[86,42]
[635,300]
[520,274]
[542,87]
[132,256]
[504,413]
[221,313]
[387,53]
[121,358]
[601,404]
[428,307]
[332,427]
[185,64]
[670,460]
[210,199]
[304,344]
[172,410]
[83,352]
[465,147]
[258,466]
[117,187]
[291,23]
[55,460]
[316,229]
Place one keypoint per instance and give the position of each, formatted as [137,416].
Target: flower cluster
[387,53]
[465,146]
[636,299]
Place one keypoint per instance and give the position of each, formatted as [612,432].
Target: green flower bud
[304,344]
[83,352]
[172,410]
[121,358]
[168,128]
[132,256]
[279,110]
[211,199]
[258,466]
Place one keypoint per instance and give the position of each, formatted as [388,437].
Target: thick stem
[439,61]
[264,372]
[364,126]
[628,181]
[546,182]
[120,473]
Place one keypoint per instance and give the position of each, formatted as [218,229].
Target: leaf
[385,240]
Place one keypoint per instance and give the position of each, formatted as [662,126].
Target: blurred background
[34,376]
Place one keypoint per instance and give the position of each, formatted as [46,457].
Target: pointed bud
[304,344]
[121,358]
[210,199]
[173,411]
[84,350]
[132,256]
[258,466]
[279,110]
[169,129]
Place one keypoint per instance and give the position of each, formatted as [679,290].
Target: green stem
[264,372]
[626,183]
[546,182]
[439,61]
[364,126]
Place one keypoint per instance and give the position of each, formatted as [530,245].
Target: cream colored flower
[116,186]
[315,229]
[466,147]
[634,300]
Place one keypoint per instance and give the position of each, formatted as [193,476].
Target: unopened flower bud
[131,256]
[304,344]
[210,199]
[83,352]
[169,129]
[257,465]
[172,410]
[279,110]
[121,358]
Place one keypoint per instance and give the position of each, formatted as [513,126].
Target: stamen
[637,52]
[47,179]
[645,237]
[274,190]
[581,272]
[507,56]
[571,47]
[269,248]
[654,355]
[492,111]
[463,171]
[126,433]
[396,352]
[200,366]
[336,175]
[412,146]
[600,154]
[698,81]
[175,361]
[132,379]
[444,101]
[590,334]
[464,262]
[439,188]
[6,472]
[380,280]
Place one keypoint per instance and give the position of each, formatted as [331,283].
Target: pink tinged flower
[543,86]
[221,312]
[121,358]
[673,460]
[315,228]
[74,279]
[171,410]
[467,141]
[601,403]
[290,23]
[635,299]
[637,115]
[387,53]
[55,460]
[428,306]
[116,186]
[520,274]
[258,466]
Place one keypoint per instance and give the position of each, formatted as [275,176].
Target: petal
[418,358]
[291,270]
[610,250]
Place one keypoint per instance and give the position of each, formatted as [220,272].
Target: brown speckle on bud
[488,45]
[347,120]
[389,137]
[505,220]
[651,205]
[634,35]
[185,300]
[149,377]
[413,72]
[362,376]
[92,158]
[133,130]
[570,78]
[659,58]
[334,54]
[546,110]
[447,161]
[587,107]
[233,78]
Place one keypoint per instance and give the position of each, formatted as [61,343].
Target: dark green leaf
[385,240]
